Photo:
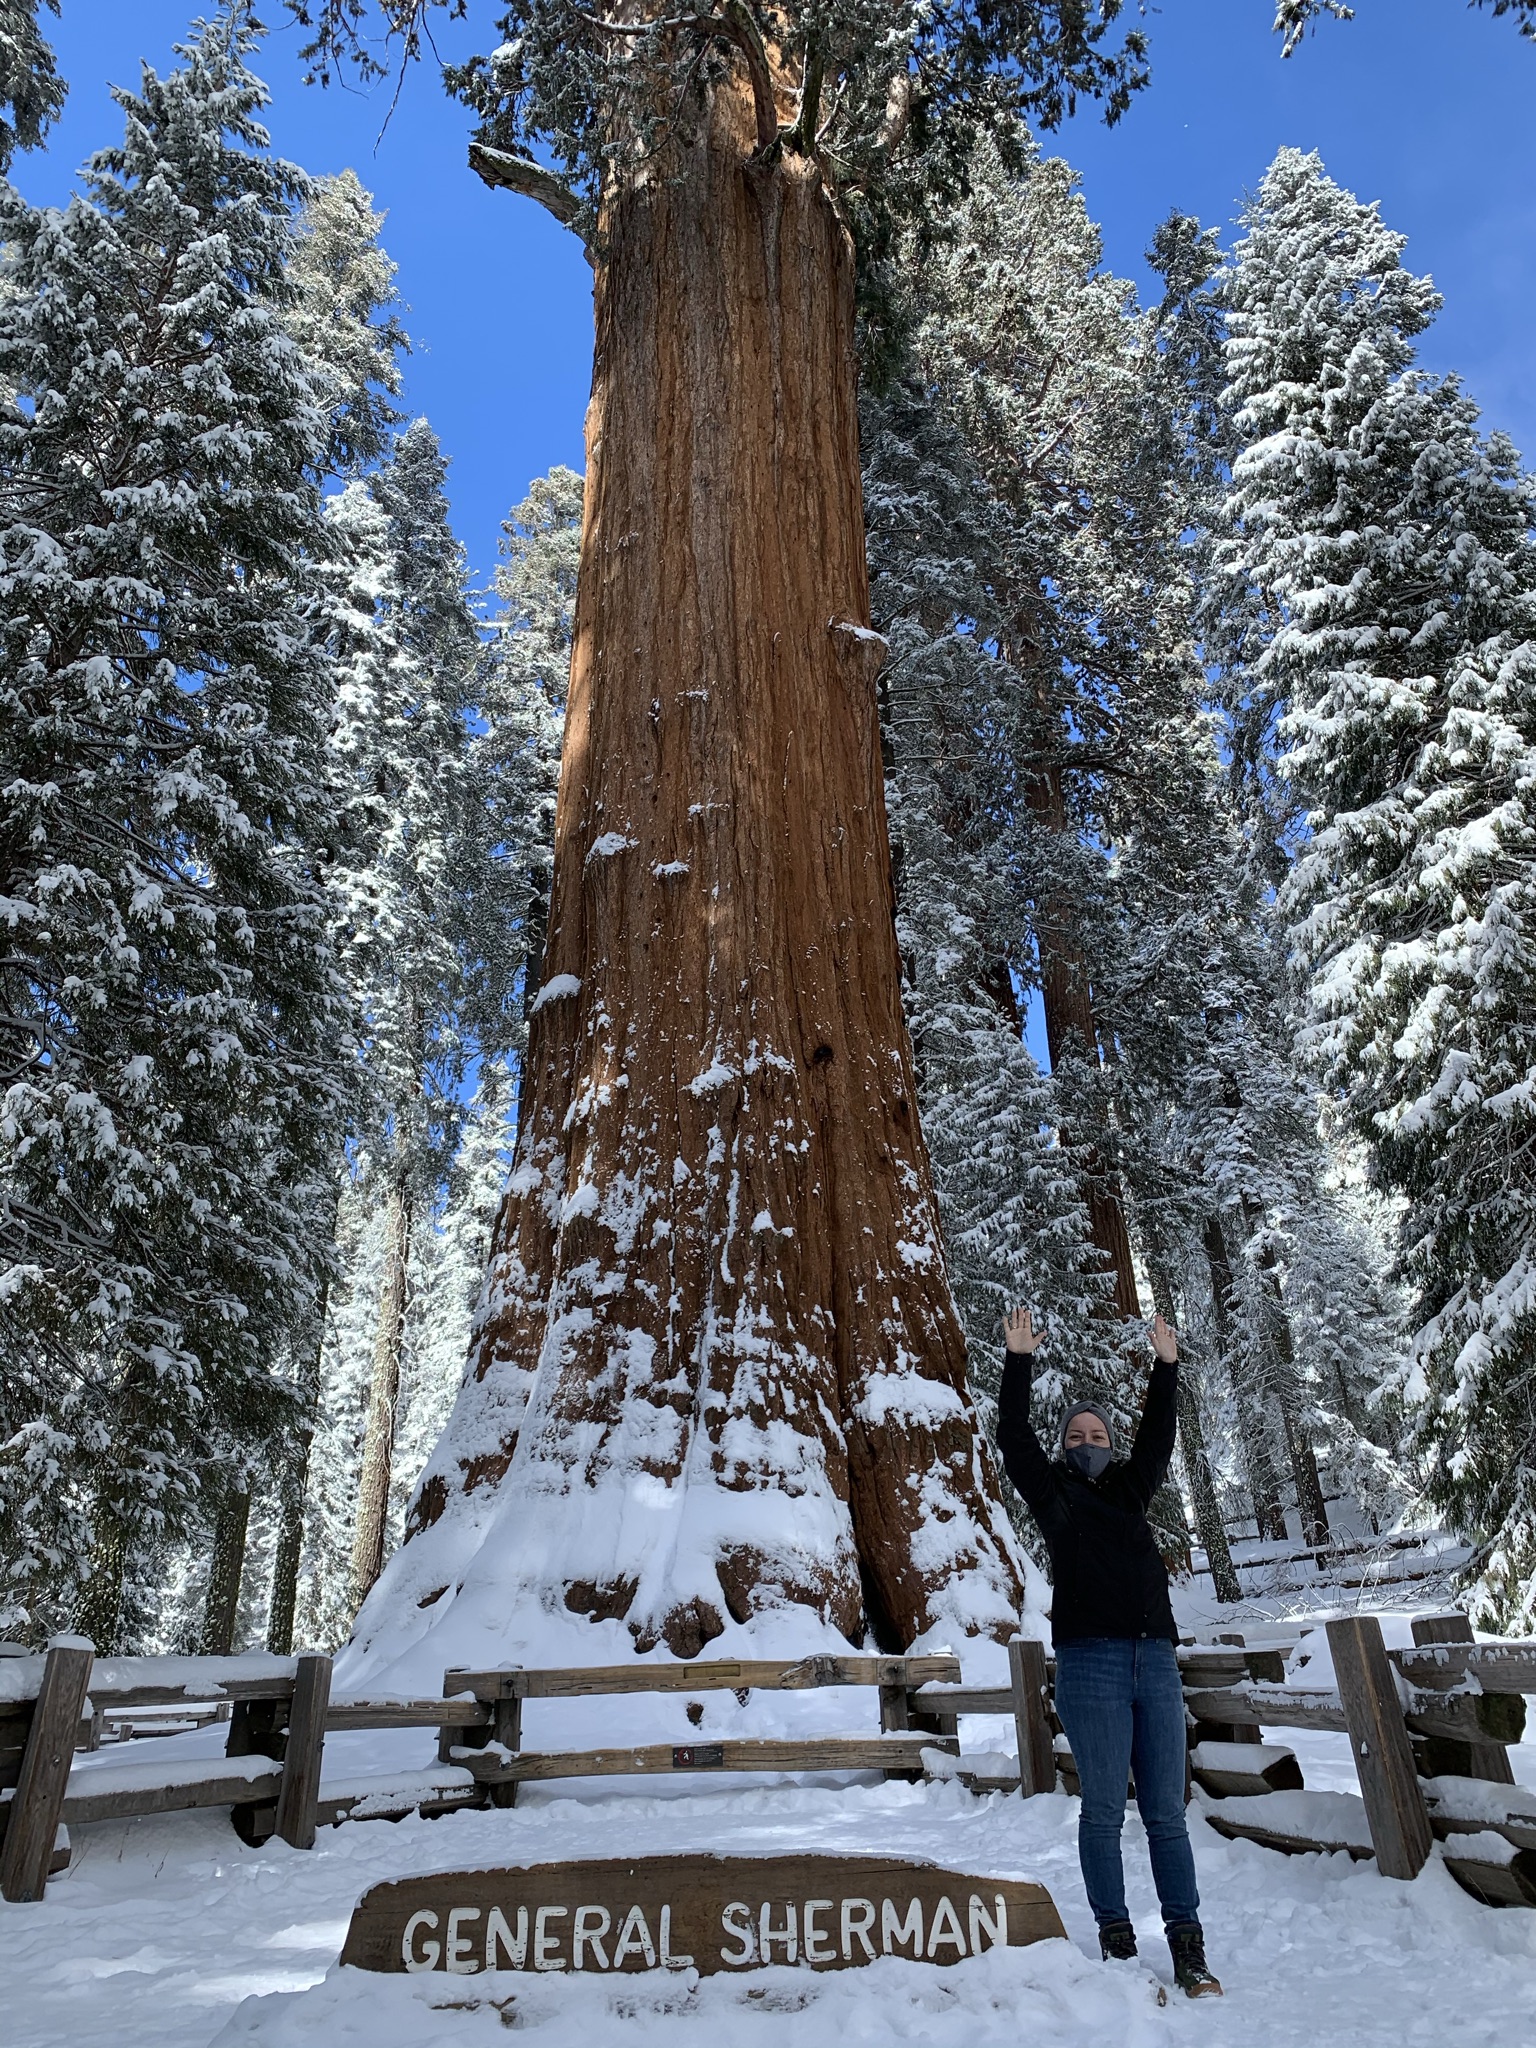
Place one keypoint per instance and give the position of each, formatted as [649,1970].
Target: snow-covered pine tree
[452,751]
[1010,1200]
[31,90]
[1393,544]
[176,1040]
[343,316]
[401,747]
[342,313]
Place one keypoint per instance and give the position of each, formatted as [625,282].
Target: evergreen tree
[343,317]
[401,746]
[1392,546]
[31,90]
[175,1038]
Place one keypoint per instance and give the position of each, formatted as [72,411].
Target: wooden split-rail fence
[1429,1730]
[270,1777]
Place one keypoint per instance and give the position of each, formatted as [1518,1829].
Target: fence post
[1378,1738]
[298,1792]
[38,1803]
[1437,1756]
[1037,1752]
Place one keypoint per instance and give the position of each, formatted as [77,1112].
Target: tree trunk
[383,1395]
[1067,999]
[1197,1464]
[101,1606]
[1310,1504]
[719,1367]
[1263,1485]
[293,1485]
[222,1606]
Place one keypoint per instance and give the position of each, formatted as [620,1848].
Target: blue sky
[1421,104]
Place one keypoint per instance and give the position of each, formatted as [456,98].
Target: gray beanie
[1087,1408]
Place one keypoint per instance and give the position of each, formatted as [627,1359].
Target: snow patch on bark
[608,844]
[557,986]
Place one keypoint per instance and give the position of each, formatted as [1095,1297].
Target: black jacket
[1108,1578]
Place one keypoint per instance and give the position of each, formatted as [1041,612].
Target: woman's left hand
[1165,1341]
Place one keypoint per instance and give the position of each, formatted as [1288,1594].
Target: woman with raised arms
[1117,1674]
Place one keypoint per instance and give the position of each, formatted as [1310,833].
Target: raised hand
[1019,1332]
[1165,1341]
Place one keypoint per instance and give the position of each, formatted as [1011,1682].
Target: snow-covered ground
[169,1933]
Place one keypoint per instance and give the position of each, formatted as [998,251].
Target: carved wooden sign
[708,1913]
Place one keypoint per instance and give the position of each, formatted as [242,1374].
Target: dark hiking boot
[1117,1942]
[1186,1943]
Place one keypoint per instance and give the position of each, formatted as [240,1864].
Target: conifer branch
[498,167]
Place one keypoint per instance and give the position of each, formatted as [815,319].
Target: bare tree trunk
[101,1608]
[1263,1485]
[717,1283]
[383,1395]
[1067,999]
[293,1485]
[1310,1504]
[1197,1465]
[221,1607]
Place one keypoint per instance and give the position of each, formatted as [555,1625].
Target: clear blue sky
[1418,103]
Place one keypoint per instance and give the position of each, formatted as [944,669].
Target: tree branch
[497,167]
[738,26]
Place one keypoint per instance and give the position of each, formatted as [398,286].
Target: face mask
[1090,1459]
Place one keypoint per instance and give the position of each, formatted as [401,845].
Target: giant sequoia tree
[719,1365]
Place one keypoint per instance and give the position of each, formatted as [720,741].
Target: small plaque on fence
[708,1913]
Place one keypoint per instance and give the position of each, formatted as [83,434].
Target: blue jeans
[1122,1705]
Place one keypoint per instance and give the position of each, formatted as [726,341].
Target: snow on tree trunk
[719,1368]
[383,1398]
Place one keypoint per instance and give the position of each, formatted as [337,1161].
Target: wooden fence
[1429,1730]
[270,1777]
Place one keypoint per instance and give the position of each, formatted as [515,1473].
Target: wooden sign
[707,1913]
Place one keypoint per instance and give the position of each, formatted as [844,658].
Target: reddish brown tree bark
[717,1274]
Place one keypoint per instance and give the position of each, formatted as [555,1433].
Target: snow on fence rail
[280,1711]
[1428,1728]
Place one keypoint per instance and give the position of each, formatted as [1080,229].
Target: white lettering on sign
[896,1933]
[996,1926]
[634,1940]
[426,1957]
[768,1935]
[736,1919]
[668,1960]
[858,1918]
[752,1935]
[946,1928]
[590,1925]
[816,1949]
[459,1958]
[544,1943]
[497,1931]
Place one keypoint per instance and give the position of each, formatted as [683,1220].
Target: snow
[608,844]
[170,1933]
[1337,1817]
[197,1678]
[557,986]
[101,1773]
[1250,1757]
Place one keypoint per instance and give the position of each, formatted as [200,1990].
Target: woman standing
[1117,1674]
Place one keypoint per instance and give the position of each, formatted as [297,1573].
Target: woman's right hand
[1019,1332]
